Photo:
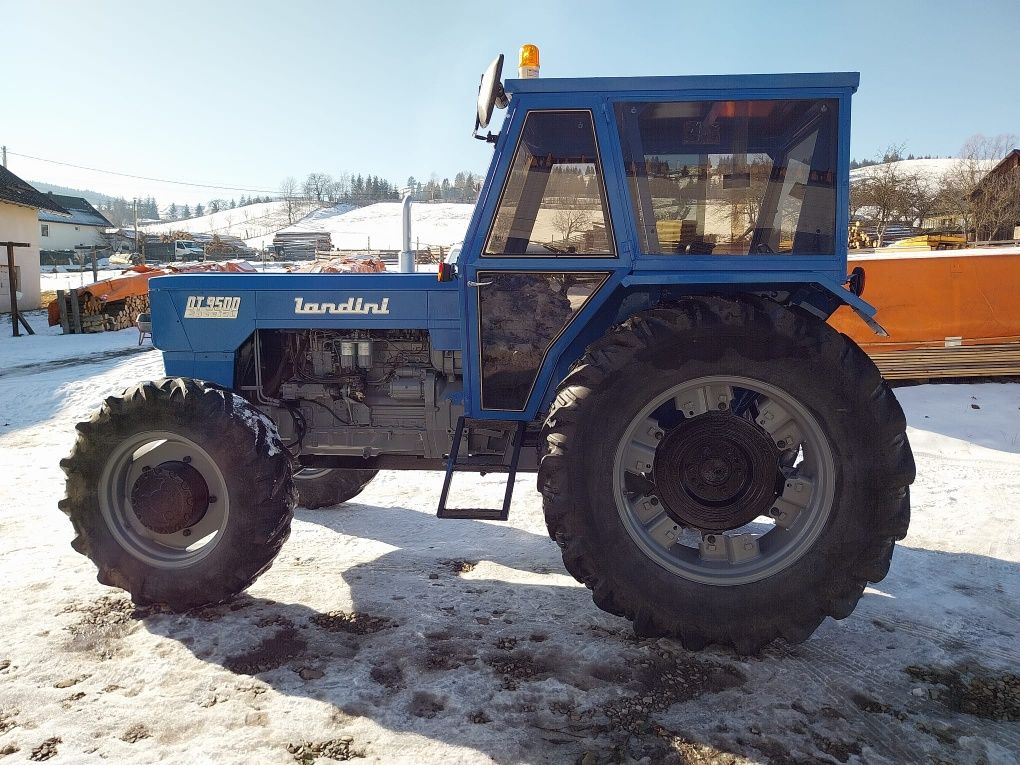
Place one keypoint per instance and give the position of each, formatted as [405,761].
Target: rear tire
[180,492]
[328,487]
[854,462]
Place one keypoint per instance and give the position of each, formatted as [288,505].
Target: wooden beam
[65,325]
[12,277]
[75,313]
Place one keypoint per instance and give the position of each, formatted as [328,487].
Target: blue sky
[245,93]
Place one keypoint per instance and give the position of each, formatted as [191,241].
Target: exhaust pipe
[407,265]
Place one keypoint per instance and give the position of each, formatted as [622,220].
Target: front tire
[180,492]
[726,471]
[327,487]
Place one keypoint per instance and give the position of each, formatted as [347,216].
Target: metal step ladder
[480,464]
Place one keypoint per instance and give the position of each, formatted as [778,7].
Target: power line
[144,177]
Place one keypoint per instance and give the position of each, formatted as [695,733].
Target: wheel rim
[724,480]
[164,499]
[310,474]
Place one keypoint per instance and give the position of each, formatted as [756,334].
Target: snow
[68,280]
[378,226]
[260,425]
[247,222]
[351,228]
[932,170]
[472,644]
[48,347]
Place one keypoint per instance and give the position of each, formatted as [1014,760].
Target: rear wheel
[726,471]
[326,487]
[180,492]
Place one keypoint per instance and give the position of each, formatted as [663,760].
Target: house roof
[82,213]
[18,192]
[1014,153]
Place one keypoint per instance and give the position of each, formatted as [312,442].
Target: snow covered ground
[247,222]
[66,279]
[378,226]
[375,226]
[471,644]
[930,170]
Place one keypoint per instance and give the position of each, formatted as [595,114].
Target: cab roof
[699,82]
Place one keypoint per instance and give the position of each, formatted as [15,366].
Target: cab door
[542,259]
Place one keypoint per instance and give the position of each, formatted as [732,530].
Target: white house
[84,227]
[20,204]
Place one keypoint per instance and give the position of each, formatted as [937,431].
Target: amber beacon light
[528,66]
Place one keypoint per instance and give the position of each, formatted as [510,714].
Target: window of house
[45,230]
[554,201]
[732,177]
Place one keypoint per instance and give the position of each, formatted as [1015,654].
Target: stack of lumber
[302,245]
[859,239]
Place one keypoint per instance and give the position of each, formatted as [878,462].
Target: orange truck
[949,313]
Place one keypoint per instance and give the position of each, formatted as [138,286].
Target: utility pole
[4,151]
[136,225]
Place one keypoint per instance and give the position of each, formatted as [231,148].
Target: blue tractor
[637,314]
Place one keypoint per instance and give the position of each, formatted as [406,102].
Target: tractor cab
[600,188]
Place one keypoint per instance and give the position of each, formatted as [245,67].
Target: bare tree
[883,192]
[921,197]
[570,222]
[288,190]
[983,202]
[316,186]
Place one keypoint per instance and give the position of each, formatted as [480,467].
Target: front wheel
[327,487]
[180,492]
[726,471]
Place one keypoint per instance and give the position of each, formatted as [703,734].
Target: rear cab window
[720,177]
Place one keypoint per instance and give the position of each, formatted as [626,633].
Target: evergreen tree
[199,210]
[185,212]
[233,204]
[171,211]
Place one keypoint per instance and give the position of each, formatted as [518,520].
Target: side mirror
[490,93]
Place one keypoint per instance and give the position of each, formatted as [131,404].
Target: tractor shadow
[471,634]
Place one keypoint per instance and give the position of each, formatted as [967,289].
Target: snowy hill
[931,169]
[247,222]
[378,226]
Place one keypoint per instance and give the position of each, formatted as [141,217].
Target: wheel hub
[716,472]
[170,497]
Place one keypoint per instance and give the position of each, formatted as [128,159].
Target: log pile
[302,245]
[342,265]
[97,316]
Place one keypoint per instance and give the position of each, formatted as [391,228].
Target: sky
[244,94]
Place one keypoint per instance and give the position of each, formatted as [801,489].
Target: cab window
[732,177]
[554,201]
